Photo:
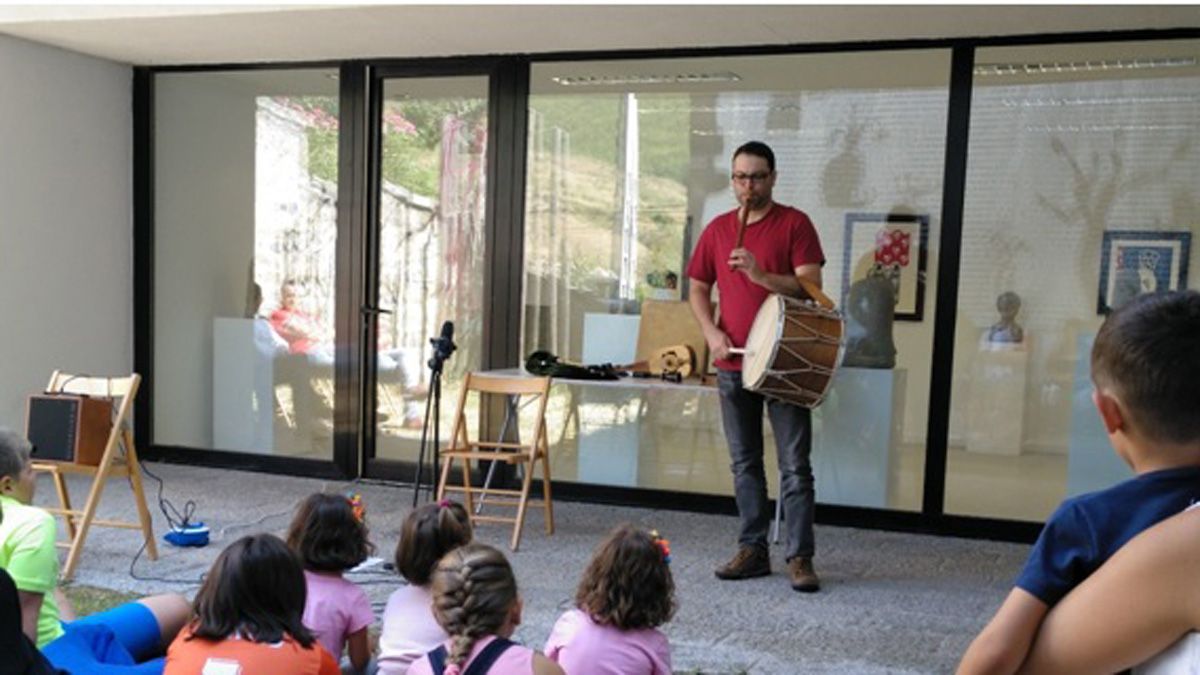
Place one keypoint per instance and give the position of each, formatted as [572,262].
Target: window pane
[628,162]
[1082,176]
[245,228]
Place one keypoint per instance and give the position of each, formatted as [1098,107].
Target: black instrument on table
[671,364]
[544,363]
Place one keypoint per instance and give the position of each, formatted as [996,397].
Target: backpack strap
[488,656]
[437,660]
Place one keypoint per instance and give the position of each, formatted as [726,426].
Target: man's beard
[756,202]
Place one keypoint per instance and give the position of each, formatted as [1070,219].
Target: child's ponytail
[428,533]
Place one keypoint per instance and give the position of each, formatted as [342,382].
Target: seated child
[1146,377]
[20,654]
[1102,627]
[130,638]
[625,594]
[409,630]
[329,534]
[476,602]
[247,617]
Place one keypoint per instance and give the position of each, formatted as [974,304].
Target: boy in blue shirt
[1146,378]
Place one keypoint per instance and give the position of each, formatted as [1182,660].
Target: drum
[793,350]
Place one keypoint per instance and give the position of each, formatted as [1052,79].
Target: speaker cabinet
[67,428]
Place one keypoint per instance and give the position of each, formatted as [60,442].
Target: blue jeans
[742,417]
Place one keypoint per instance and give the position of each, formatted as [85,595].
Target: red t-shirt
[280,319]
[782,241]
[244,657]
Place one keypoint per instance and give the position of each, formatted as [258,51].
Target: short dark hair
[1148,353]
[255,587]
[628,583]
[327,535]
[14,452]
[429,532]
[758,149]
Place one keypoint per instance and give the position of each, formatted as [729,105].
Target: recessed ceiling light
[611,80]
[986,69]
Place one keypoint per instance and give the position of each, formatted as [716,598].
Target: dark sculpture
[870,310]
[1007,330]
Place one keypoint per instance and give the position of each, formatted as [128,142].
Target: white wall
[66,234]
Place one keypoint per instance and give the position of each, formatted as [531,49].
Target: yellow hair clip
[663,545]
[356,505]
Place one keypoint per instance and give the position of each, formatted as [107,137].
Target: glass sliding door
[433,137]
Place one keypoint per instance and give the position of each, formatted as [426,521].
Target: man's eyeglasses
[750,177]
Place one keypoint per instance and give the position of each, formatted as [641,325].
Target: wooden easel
[118,461]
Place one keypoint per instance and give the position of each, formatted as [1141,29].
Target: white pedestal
[608,446]
[996,408]
[243,385]
[855,431]
[1092,464]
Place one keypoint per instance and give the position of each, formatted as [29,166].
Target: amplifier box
[68,428]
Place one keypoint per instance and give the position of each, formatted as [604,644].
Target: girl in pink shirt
[409,630]
[329,534]
[475,600]
[625,594]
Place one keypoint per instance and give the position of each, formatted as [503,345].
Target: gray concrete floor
[891,603]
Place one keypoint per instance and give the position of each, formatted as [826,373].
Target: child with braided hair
[329,534]
[429,532]
[475,600]
[625,594]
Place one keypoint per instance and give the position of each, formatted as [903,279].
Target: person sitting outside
[21,656]
[297,327]
[1146,377]
[1098,628]
[125,639]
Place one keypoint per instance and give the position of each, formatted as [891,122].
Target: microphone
[443,346]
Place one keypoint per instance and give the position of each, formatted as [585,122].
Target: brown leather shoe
[747,563]
[803,576]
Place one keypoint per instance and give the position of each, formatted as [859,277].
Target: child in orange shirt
[247,617]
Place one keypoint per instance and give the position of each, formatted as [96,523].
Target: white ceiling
[177,35]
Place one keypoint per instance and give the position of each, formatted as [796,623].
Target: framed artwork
[893,245]
[1133,262]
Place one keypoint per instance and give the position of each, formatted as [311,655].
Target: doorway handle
[368,311]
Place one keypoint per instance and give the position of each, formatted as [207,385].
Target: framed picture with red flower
[891,245]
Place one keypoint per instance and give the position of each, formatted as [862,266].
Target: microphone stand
[433,401]
[433,407]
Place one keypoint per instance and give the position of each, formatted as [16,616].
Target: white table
[856,431]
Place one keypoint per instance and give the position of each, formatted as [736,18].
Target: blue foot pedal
[191,534]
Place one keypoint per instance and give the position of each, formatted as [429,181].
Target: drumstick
[740,350]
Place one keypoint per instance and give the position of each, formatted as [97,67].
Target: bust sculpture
[1007,330]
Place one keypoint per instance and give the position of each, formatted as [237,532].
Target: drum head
[761,343]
